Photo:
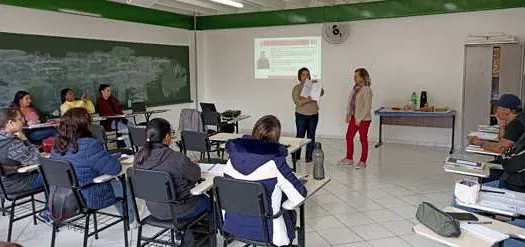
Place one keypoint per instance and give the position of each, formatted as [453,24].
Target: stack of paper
[312,89]
[484,135]
[464,163]
[488,128]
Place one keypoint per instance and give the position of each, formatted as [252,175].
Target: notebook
[464,163]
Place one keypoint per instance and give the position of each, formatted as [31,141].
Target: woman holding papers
[358,117]
[306,113]
[157,155]
[67,96]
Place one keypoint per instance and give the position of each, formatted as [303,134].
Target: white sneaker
[346,162]
[361,165]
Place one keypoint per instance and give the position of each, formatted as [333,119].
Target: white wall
[30,21]
[403,55]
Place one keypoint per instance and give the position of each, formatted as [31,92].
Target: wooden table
[417,119]
[466,238]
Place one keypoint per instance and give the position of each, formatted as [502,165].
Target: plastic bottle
[414,101]
[318,159]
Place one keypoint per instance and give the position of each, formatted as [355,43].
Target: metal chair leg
[95,226]
[53,235]
[172,232]
[11,219]
[86,230]
[34,209]
[126,241]
[3,206]
[139,235]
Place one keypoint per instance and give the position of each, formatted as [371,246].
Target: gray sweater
[185,175]
[15,153]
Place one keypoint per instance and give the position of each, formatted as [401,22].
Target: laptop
[208,107]
[138,107]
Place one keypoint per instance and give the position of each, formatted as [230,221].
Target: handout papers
[312,89]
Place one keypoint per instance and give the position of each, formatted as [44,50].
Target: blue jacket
[264,162]
[89,162]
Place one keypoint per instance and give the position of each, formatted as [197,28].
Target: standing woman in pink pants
[358,117]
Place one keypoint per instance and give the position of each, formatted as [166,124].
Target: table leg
[237,127]
[301,239]
[453,133]
[380,133]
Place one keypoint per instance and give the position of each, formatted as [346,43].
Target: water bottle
[414,101]
[318,159]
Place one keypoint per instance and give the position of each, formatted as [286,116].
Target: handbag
[62,203]
[438,221]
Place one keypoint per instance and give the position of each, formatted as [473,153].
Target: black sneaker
[45,216]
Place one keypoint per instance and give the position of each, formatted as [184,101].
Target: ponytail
[156,131]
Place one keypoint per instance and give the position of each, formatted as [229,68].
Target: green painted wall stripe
[110,10]
[351,12]
[346,12]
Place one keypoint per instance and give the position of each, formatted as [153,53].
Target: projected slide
[281,58]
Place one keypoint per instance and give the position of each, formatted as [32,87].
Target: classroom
[319,123]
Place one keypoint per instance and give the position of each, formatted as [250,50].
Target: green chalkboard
[43,65]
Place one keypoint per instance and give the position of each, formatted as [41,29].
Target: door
[511,69]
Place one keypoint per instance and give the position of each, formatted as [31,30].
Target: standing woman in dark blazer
[158,156]
[306,114]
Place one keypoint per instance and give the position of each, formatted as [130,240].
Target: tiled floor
[371,207]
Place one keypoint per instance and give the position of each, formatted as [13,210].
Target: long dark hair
[63,94]
[18,96]
[156,130]
[301,71]
[364,73]
[267,128]
[75,123]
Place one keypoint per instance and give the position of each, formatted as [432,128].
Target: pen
[479,222]
[492,191]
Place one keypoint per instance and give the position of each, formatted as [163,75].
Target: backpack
[62,203]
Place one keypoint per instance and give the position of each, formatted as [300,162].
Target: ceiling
[207,7]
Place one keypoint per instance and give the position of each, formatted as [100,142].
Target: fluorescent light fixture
[76,12]
[229,3]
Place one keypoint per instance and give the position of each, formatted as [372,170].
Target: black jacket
[185,175]
[513,163]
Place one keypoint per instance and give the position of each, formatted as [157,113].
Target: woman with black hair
[67,97]
[24,103]
[158,156]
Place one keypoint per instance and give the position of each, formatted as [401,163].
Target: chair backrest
[60,173]
[195,141]
[152,186]
[210,118]
[137,136]
[208,107]
[253,201]
[190,119]
[99,132]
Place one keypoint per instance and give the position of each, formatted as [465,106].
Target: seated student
[15,152]
[109,105]
[261,158]
[67,96]
[158,156]
[24,103]
[511,129]
[89,159]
